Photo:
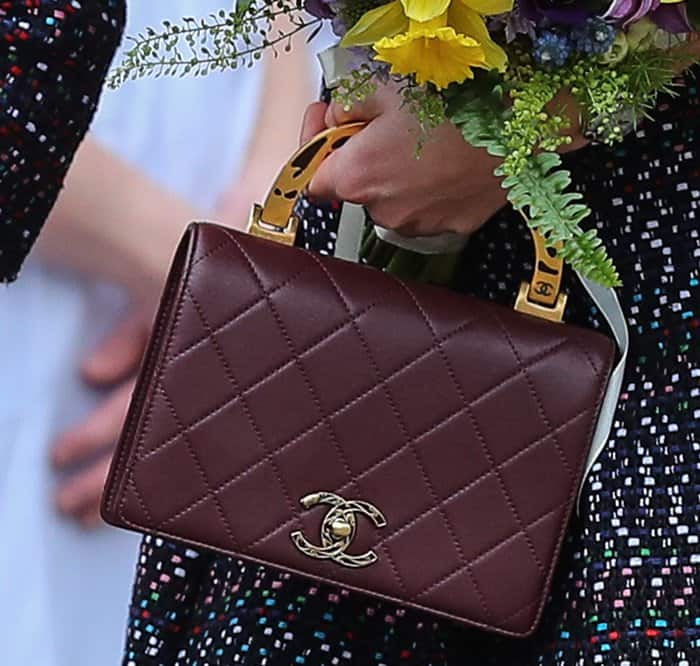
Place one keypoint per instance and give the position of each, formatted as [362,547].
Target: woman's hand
[111,223]
[86,448]
[450,187]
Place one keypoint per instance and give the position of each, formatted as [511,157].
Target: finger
[324,185]
[99,430]
[91,519]
[119,353]
[313,122]
[80,496]
[350,173]
[337,114]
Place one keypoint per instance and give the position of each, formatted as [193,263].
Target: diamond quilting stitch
[430,351]
[273,451]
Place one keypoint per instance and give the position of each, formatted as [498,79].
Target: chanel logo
[544,289]
[338,530]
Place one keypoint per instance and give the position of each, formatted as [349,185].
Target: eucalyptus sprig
[221,41]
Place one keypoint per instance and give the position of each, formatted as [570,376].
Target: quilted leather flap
[275,374]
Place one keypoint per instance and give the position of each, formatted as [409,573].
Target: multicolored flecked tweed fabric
[54,55]
[626,593]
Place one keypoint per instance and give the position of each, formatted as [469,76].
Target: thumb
[313,122]
[97,431]
[324,185]
[119,353]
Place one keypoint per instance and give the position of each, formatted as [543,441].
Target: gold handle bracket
[543,297]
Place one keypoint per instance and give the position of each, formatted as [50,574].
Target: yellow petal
[467,22]
[424,10]
[385,21]
[487,7]
[437,56]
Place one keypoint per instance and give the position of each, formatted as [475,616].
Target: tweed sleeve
[54,55]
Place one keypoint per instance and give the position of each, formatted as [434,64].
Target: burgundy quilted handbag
[325,418]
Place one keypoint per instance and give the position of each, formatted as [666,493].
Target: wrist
[149,256]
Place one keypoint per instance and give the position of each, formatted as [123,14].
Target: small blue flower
[552,50]
[594,37]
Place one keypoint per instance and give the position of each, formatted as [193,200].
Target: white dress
[63,593]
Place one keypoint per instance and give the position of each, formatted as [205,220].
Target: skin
[450,188]
[131,246]
[413,196]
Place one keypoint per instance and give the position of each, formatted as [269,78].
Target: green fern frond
[540,192]
[586,253]
[540,186]
[478,111]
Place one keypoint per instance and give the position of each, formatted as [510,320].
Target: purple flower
[327,9]
[670,17]
[561,12]
[630,11]
[320,8]
[673,18]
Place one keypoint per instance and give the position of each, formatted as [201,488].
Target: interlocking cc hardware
[338,530]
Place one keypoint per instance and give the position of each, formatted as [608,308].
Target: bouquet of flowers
[514,76]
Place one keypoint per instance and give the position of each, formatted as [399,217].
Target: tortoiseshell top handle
[275,220]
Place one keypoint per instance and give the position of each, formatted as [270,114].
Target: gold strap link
[275,221]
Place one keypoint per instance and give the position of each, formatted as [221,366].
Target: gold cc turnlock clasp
[338,530]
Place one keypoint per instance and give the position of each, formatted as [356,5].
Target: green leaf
[539,188]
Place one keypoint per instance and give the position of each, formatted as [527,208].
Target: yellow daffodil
[424,10]
[438,41]
[466,18]
[444,56]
